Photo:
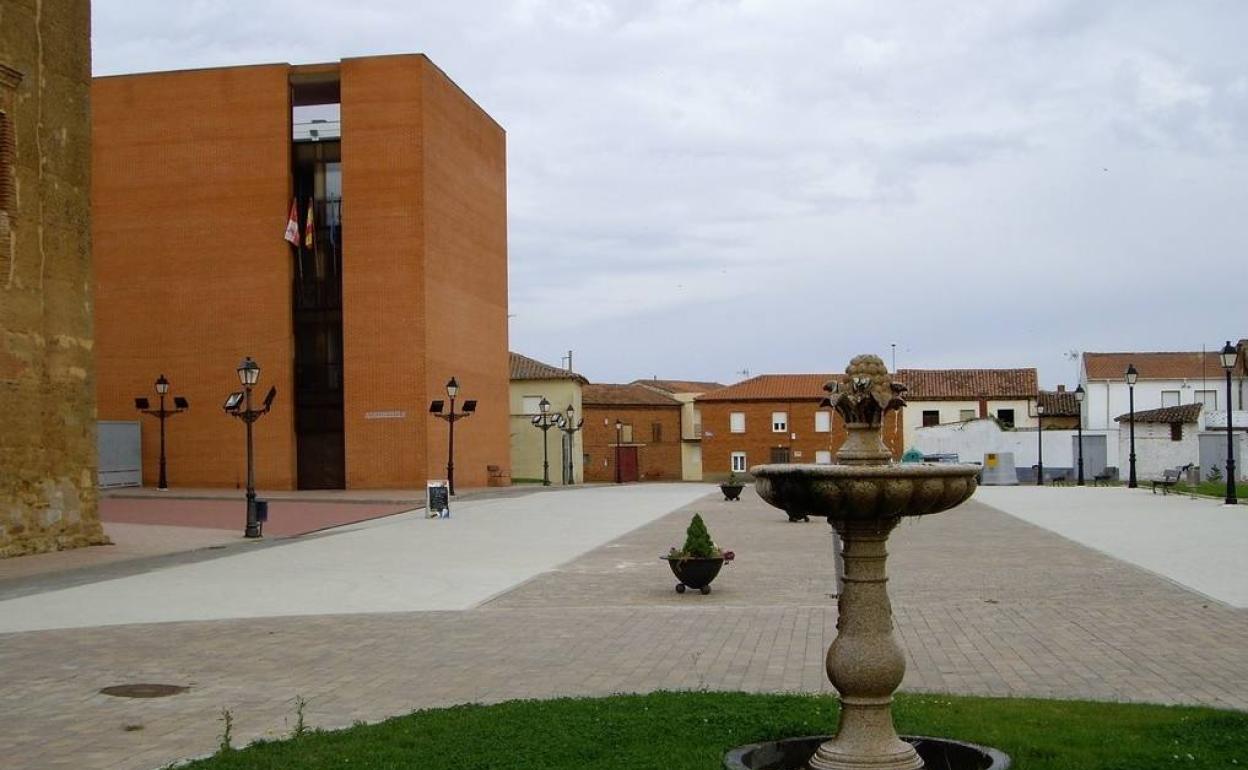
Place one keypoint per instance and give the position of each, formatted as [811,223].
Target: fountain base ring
[793,754]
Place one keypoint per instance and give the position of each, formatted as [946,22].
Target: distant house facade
[773,418]
[686,392]
[1164,438]
[631,433]
[531,381]
[942,396]
[1061,408]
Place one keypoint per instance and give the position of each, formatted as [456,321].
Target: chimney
[1061,388]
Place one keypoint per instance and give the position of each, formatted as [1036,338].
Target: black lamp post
[544,421]
[1229,354]
[569,425]
[1040,445]
[1079,394]
[249,375]
[1131,376]
[619,432]
[179,405]
[451,417]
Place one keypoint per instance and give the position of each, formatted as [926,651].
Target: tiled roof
[1059,403]
[1171,414]
[1154,366]
[774,387]
[624,395]
[525,368]
[950,384]
[679,386]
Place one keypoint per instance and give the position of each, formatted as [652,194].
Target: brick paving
[985,604]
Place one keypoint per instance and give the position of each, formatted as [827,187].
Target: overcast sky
[700,187]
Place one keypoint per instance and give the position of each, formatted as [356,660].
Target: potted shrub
[732,487]
[699,561]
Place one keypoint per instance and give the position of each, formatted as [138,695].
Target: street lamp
[1229,354]
[1079,394]
[619,431]
[544,421]
[1131,376]
[249,375]
[451,417]
[1040,445]
[179,405]
[569,425]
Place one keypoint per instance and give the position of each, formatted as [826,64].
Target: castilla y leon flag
[309,229]
[292,224]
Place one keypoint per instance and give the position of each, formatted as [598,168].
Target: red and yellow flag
[309,228]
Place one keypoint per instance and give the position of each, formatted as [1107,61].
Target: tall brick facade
[193,182]
[47,374]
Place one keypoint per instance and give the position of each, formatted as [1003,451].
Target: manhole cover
[143,690]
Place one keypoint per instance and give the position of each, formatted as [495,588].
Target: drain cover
[143,690]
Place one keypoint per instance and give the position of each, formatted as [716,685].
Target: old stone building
[47,385]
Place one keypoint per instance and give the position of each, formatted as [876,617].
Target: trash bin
[262,510]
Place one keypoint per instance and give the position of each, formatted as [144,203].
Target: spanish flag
[309,228]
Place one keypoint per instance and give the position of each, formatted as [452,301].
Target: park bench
[1060,478]
[1169,477]
[1105,476]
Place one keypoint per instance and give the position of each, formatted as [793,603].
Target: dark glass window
[931,417]
[1176,431]
[1006,417]
[656,432]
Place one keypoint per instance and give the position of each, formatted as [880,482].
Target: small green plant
[733,480]
[227,732]
[698,543]
[1215,473]
[301,728]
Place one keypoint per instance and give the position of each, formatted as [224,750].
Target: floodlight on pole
[180,405]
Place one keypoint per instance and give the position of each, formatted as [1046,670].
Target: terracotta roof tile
[1154,366]
[948,384]
[774,387]
[679,386]
[1171,414]
[602,394]
[525,368]
[1059,403]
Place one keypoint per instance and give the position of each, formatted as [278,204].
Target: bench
[1110,473]
[1059,479]
[1169,477]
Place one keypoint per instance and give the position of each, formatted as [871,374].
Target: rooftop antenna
[893,345]
[744,373]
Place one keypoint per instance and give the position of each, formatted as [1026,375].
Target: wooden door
[628,463]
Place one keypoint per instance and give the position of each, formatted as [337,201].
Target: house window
[626,433]
[1006,417]
[656,432]
[780,454]
[931,417]
[736,422]
[823,457]
[823,422]
[1209,398]
[531,404]
[779,422]
[738,462]
[1176,431]
[966,414]
[1169,398]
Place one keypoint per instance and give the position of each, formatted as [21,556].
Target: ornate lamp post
[1131,376]
[179,405]
[544,421]
[619,431]
[1079,394]
[569,425]
[249,375]
[1228,356]
[451,417]
[1040,445]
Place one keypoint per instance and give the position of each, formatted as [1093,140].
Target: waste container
[262,510]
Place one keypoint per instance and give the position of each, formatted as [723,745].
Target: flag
[292,224]
[309,229]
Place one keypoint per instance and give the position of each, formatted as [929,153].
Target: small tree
[698,541]
[1215,473]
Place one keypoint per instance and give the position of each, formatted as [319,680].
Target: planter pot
[695,572]
[731,491]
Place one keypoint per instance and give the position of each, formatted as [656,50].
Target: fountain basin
[936,753]
[864,492]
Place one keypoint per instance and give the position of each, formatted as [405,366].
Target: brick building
[647,443]
[403,286]
[774,418]
[686,392]
[47,375]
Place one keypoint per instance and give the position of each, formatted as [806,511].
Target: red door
[628,463]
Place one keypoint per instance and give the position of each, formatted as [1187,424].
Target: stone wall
[47,385]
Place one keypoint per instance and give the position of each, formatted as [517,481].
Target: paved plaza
[986,603]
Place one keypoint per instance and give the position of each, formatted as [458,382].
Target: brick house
[686,392]
[774,418]
[647,442]
[940,396]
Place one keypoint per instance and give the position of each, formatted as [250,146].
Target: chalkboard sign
[438,499]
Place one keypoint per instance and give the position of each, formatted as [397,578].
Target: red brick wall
[656,460]
[189,191]
[718,442]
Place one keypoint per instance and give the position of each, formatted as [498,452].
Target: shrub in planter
[697,563]
[732,487]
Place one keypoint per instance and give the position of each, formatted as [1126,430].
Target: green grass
[1213,489]
[692,730]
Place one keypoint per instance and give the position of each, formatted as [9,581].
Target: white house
[943,396]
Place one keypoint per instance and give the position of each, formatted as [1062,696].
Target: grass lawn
[692,730]
[1213,489]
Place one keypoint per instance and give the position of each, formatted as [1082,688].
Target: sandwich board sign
[438,499]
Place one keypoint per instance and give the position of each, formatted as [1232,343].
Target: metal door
[120,453]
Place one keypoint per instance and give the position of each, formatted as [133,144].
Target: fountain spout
[862,398]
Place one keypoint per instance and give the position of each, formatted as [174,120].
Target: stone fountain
[864,496]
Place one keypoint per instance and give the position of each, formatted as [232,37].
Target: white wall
[951,412]
[1106,400]
[1155,451]
[972,440]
